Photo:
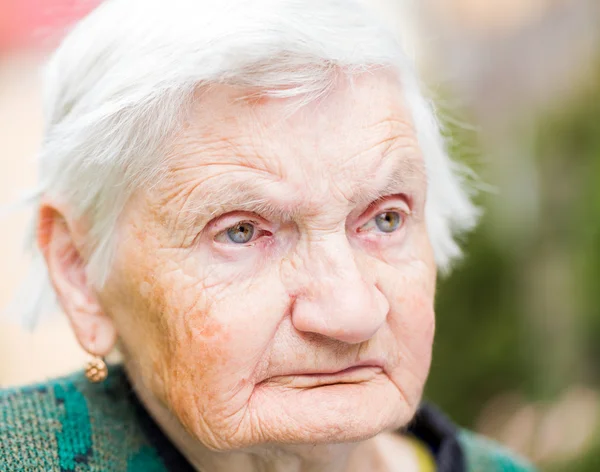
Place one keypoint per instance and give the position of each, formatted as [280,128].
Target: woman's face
[276,286]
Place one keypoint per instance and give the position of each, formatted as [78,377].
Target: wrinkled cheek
[418,321]
[412,323]
[170,351]
[414,316]
[208,370]
[207,389]
[194,381]
[199,346]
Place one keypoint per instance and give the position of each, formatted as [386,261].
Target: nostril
[356,334]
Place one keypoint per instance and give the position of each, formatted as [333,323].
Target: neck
[383,453]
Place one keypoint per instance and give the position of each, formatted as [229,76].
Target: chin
[328,414]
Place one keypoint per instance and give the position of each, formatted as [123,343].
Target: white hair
[116,88]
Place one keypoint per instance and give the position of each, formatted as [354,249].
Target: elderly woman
[250,201]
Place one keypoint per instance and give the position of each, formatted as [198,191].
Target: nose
[338,299]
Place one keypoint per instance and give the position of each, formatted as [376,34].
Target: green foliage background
[486,342]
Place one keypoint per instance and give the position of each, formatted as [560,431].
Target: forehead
[346,139]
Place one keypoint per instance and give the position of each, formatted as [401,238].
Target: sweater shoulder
[483,454]
[71,424]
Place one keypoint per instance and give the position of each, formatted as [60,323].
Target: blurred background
[517,85]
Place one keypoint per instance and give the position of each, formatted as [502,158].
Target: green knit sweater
[69,424]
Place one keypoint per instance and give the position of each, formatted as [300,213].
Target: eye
[241,233]
[388,221]
[384,222]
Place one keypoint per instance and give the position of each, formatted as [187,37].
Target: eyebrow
[405,174]
[247,196]
[252,196]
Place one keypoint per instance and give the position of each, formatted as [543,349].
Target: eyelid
[391,203]
[220,225]
[221,236]
[227,220]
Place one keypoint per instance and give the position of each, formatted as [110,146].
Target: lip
[374,363]
[361,365]
[354,374]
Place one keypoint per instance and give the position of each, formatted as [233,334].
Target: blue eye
[241,233]
[388,221]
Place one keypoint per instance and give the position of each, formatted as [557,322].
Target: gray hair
[118,85]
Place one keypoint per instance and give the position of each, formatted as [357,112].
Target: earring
[96,370]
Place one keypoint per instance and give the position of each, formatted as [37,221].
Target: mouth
[352,375]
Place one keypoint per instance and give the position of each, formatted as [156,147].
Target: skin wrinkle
[222,200]
[397,130]
[208,329]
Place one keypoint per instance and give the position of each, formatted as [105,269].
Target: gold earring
[96,370]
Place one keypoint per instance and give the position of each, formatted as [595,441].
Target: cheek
[220,332]
[410,291]
[221,342]
[412,321]
[229,321]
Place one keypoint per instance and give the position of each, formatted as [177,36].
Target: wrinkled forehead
[357,135]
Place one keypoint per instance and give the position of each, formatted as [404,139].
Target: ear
[60,240]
